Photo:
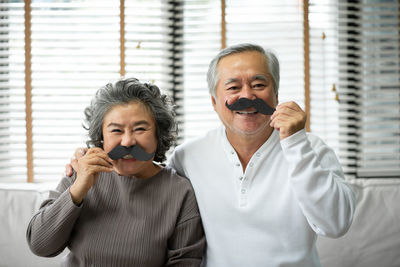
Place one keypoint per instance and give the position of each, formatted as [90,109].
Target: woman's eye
[115,130]
[233,88]
[140,129]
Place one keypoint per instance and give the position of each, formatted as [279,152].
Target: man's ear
[214,102]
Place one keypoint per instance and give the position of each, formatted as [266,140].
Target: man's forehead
[244,54]
[248,58]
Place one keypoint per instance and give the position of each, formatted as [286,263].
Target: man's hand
[89,166]
[288,119]
[73,165]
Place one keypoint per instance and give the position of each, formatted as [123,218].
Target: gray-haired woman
[121,208]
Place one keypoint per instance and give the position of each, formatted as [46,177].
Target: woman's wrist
[76,195]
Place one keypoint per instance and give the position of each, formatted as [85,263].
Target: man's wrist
[294,138]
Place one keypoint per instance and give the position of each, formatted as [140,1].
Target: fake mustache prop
[243,103]
[135,151]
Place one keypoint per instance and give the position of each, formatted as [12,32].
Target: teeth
[247,112]
[127,157]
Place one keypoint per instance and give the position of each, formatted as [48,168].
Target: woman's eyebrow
[141,122]
[114,124]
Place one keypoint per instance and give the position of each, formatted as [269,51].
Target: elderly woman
[121,208]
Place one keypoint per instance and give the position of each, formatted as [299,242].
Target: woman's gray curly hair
[126,91]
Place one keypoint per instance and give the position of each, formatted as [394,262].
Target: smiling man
[264,186]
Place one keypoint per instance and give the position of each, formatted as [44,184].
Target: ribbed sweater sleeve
[50,228]
[187,243]
[122,221]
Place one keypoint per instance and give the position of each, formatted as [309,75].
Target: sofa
[373,239]
[18,204]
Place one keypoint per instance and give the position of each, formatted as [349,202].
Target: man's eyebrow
[231,80]
[142,122]
[260,77]
[254,78]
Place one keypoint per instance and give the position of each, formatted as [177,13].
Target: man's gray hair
[127,91]
[272,61]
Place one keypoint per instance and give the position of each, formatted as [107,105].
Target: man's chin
[249,131]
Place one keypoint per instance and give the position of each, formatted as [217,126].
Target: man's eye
[259,85]
[140,129]
[233,88]
[115,130]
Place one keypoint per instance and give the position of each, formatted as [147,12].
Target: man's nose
[247,92]
[128,140]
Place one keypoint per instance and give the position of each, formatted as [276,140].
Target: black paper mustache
[259,104]
[135,151]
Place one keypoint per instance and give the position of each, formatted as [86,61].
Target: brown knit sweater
[123,221]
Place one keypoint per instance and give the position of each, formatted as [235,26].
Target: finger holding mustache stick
[89,166]
[288,119]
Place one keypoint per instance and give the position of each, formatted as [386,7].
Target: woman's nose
[128,140]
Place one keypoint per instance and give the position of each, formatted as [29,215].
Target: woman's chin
[127,161]
[123,172]
[125,167]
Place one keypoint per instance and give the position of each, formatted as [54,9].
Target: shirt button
[238,164]
[241,178]
[258,154]
[243,191]
[232,152]
[251,164]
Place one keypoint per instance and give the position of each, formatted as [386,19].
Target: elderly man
[265,188]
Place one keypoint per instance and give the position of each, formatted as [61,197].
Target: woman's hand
[88,167]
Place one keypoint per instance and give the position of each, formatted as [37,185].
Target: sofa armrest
[18,204]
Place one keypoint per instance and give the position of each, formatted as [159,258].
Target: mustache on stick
[244,103]
[135,151]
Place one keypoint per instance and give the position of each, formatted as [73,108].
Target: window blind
[153,37]
[75,50]
[324,74]
[201,42]
[254,21]
[148,42]
[355,83]
[262,22]
[354,70]
[153,32]
[12,91]
[369,87]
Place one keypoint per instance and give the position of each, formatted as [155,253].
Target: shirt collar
[265,149]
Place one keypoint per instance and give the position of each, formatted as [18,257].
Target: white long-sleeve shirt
[270,214]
